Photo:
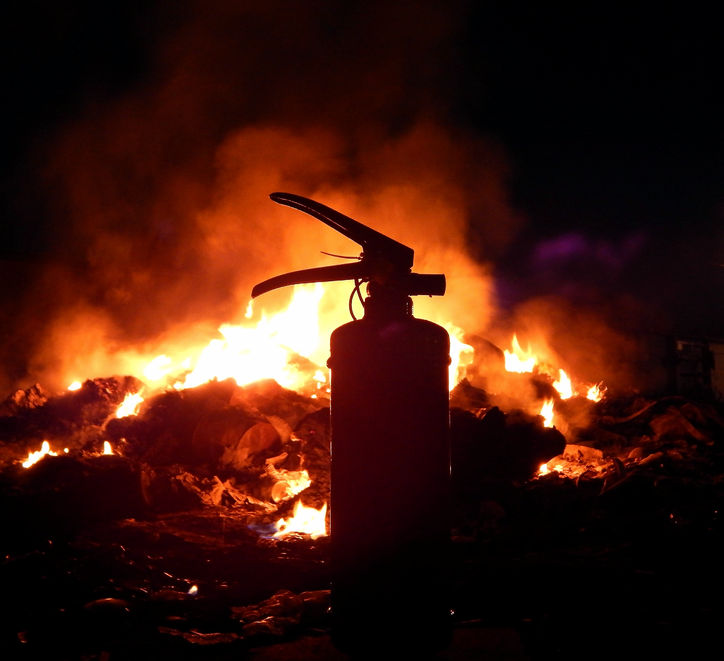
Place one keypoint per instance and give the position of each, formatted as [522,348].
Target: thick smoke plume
[160,197]
[159,192]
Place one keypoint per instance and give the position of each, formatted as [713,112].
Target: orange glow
[596,392]
[547,412]
[461,355]
[251,353]
[107,449]
[305,520]
[564,385]
[518,360]
[129,406]
[76,385]
[288,484]
[35,457]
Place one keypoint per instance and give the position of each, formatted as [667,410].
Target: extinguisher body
[390,530]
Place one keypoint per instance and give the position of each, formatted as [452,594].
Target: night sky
[604,120]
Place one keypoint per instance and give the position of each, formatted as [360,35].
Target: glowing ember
[564,385]
[107,449]
[596,392]
[76,385]
[305,520]
[129,406]
[289,483]
[518,360]
[543,469]
[35,457]
[547,412]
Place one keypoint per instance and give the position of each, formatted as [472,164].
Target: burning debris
[121,485]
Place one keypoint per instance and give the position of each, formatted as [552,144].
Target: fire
[461,355]
[305,520]
[267,350]
[129,406]
[518,360]
[76,385]
[547,412]
[288,483]
[107,449]
[272,348]
[596,392]
[563,385]
[35,457]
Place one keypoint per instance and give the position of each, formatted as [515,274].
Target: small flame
[306,520]
[76,385]
[35,457]
[289,483]
[543,469]
[563,385]
[249,309]
[547,412]
[461,355]
[518,360]
[596,392]
[107,449]
[129,406]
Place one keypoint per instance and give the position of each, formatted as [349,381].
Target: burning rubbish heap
[156,519]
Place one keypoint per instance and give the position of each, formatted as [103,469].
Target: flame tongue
[304,520]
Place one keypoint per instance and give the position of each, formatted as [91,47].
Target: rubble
[157,547]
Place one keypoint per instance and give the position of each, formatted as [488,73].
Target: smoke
[159,195]
[159,192]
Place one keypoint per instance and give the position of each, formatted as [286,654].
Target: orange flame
[129,406]
[76,385]
[547,412]
[596,392]
[518,360]
[563,385]
[305,520]
[107,449]
[35,457]
[270,349]
[461,355]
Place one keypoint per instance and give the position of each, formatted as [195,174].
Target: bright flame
[76,385]
[518,360]
[596,392]
[288,484]
[306,520]
[129,406]
[107,449]
[564,385]
[249,309]
[35,457]
[158,368]
[547,412]
[249,354]
[461,355]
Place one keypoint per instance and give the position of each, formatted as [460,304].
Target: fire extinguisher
[390,530]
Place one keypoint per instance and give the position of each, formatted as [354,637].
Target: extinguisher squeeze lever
[384,261]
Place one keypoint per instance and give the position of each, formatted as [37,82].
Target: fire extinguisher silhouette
[390,530]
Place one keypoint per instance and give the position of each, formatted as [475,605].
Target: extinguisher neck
[385,303]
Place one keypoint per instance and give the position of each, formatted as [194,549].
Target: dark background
[608,116]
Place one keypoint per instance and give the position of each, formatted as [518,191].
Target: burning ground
[191,521]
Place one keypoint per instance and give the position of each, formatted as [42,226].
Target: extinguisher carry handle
[374,244]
